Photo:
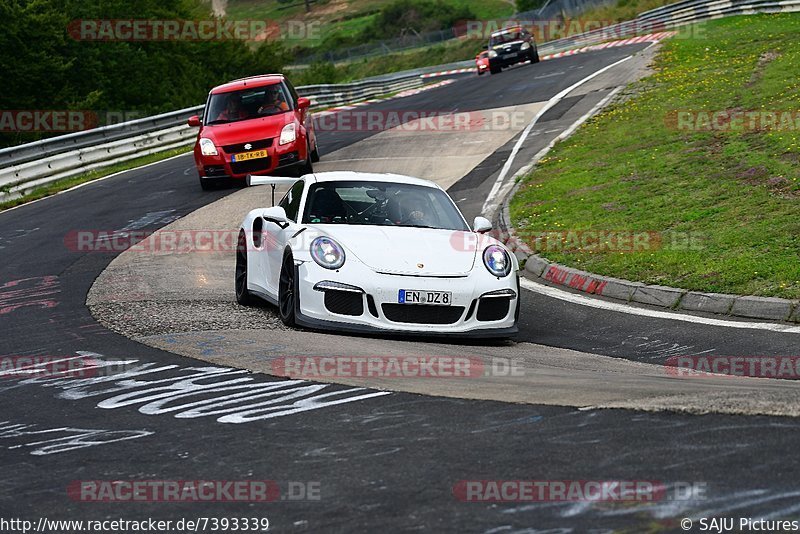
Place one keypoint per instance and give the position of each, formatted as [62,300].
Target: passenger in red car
[233,110]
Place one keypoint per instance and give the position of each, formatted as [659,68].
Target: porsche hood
[408,251]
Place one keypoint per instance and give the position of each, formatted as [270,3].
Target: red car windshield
[245,104]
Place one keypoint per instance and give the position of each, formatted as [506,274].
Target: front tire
[315,153]
[494,70]
[306,167]
[206,184]
[286,292]
[243,295]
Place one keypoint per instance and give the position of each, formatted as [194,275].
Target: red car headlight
[207,147]
[288,134]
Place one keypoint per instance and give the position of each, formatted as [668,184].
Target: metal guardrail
[25,167]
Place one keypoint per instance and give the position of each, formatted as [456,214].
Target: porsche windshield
[247,104]
[381,204]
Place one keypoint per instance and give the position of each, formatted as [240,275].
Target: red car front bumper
[279,158]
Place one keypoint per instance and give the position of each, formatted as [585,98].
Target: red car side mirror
[194,121]
[303,103]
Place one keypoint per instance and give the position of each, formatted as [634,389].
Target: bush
[409,16]
[318,73]
[528,5]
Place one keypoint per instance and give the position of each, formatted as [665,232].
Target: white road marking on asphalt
[574,298]
[162,217]
[491,203]
[227,394]
[549,75]
[63,439]
[660,348]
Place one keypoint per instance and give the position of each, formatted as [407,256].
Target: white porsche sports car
[365,252]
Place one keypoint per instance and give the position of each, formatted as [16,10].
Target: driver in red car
[233,110]
[274,101]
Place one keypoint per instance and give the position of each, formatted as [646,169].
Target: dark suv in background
[510,46]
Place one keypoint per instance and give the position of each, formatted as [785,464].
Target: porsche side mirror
[194,121]
[277,215]
[481,225]
[303,103]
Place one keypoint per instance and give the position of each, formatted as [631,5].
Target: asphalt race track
[380,460]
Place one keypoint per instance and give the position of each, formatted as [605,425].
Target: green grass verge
[736,192]
[67,183]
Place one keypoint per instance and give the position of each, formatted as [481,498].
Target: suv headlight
[207,147]
[492,53]
[288,134]
[525,46]
[327,253]
[497,260]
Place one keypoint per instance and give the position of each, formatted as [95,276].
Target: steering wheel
[410,217]
[268,107]
[372,207]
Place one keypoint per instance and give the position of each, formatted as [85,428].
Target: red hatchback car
[254,125]
[482,62]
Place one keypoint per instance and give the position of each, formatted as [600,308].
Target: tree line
[47,65]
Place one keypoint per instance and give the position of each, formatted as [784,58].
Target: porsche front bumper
[482,305]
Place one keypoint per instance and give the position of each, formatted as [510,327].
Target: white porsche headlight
[525,46]
[492,53]
[207,147]
[288,134]
[497,260]
[327,253]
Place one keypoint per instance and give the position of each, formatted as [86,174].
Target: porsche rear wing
[253,179]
